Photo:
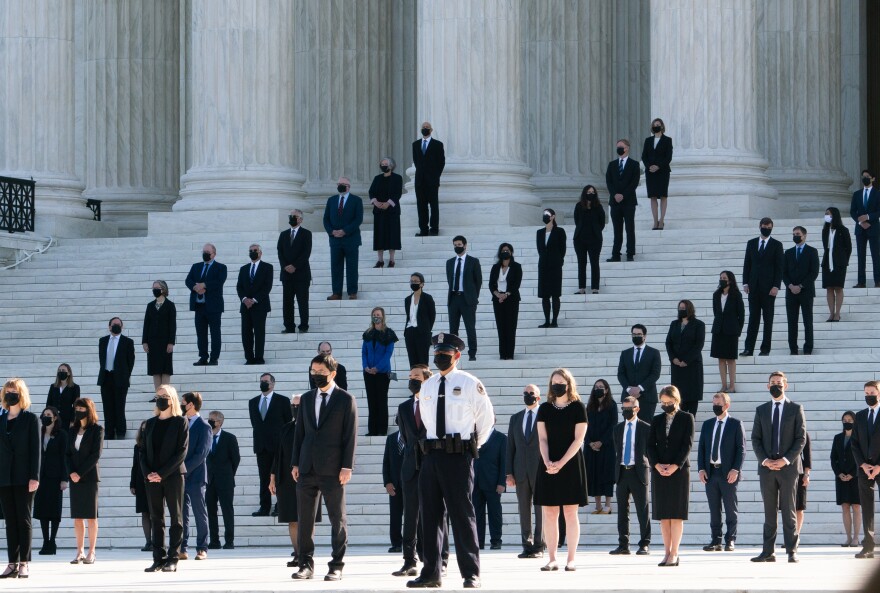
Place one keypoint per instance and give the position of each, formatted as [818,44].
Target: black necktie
[441,409]
[638,356]
[456,283]
[292,235]
[399,445]
[797,254]
[870,425]
[253,271]
[620,167]
[528,432]
[775,434]
[214,444]
[716,442]
[761,248]
[323,406]
[204,270]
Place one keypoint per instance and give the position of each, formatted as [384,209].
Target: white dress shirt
[831,249]
[318,394]
[635,427]
[461,258]
[722,422]
[502,278]
[112,344]
[534,413]
[413,312]
[467,405]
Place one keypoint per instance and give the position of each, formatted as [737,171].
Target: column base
[67,227]
[812,191]
[56,194]
[239,189]
[127,208]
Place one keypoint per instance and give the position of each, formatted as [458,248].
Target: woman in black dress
[589,222]
[727,325]
[53,478]
[599,452]
[505,278]
[138,488]
[837,249]
[656,156]
[85,442]
[846,483]
[385,192]
[551,242]
[62,393]
[562,479]
[160,332]
[684,346]
[669,447]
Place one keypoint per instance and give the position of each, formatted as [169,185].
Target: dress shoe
[303,574]
[288,331]
[472,357]
[482,546]
[213,362]
[353,297]
[807,352]
[764,353]
[530,554]
[859,285]
[423,583]
[546,324]
[793,352]
[274,511]
[11,572]
[729,547]
[214,546]
[793,558]
[554,324]
[202,555]
[570,568]
[550,567]
[395,550]
[435,232]
[250,362]
[78,560]
[23,570]
[407,570]
[183,556]
[613,259]
[202,362]
[630,258]
[495,546]
[90,559]
[170,566]
[620,551]
[391,264]
[421,234]
[379,264]
[156,566]
[260,513]
[335,574]
[764,558]
[643,551]
[472,583]
[746,353]
[148,547]
[334,297]
[712,548]
[303,329]
[865,554]
[672,563]
[229,546]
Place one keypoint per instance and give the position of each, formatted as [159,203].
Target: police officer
[458,418]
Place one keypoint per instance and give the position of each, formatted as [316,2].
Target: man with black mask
[638,371]
[343,216]
[465,279]
[799,273]
[294,251]
[253,287]
[622,179]
[523,460]
[631,470]
[268,415]
[205,282]
[223,460]
[429,159]
[865,211]
[116,357]
[865,442]
[762,275]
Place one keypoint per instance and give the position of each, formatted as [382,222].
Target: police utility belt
[451,443]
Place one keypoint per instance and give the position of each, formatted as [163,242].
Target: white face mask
[828,218]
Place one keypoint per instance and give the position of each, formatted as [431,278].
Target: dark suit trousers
[342,258]
[224,496]
[418,343]
[584,253]
[194,498]
[295,291]
[17,504]
[862,244]
[425,197]
[167,492]
[646,410]
[761,305]
[623,216]
[376,387]
[779,491]
[253,334]
[690,407]
[532,541]
[113,399]
[506,317]
[204,322]
[459,309]
[491,500]
[866,498]
[395,514]
[794,304]
[718,491]
[413,538]
[627,485]
[309,490]
[264,468]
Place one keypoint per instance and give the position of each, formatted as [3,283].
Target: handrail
[29,254]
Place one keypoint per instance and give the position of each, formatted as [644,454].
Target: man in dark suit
[196,475]
[489,482]
[523,460]
[799,272]
[205,282]
[223,460]
[779,434]
[392,461]
[719,459]
[268,413]
[253,287]
[322,461]
[294,250]
[116,359]
[419,321]
[631,469]
[343,216]
[465,279]
[865,211]
[341,380]
[865,443]
[429,159]
[638,371]
[622,179]
[762,273]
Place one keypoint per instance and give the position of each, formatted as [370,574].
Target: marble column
[630,77]
[37,130]
[853,98]
[240,108]
[131,70]
[799,115]
[470,87]
[703,62]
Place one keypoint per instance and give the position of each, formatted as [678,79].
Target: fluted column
[703,57]
[132,138]
[799,116]
[37,130]
[630,76]
[470,80]
[240,99]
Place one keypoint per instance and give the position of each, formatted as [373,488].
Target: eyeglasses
[528,393]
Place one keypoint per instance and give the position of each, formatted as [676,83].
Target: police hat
[448,342]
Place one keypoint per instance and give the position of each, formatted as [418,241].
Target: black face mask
[62,375]
[157,292]
[206,257]
[12,398]
[848,425]
[775,391]
[722,284]
[414,287]
[600,393]
[871,400]
[254,254]
[80,415]
[458,249]
[293,220]
[414,386]
[682,313]
[628,413]
[638,340]
[321,381]
[212,423]
[558,389]
[765,231]
[115,329]
[656,129]
[46,420]
[385,168]
[668,408]
[264,386]
[621,150]
[442,361]
[718,409]
[797,239]
[529,399]
[866,181]
[546,218]
[162,404]
[426,132]
[341,188]
[505,255]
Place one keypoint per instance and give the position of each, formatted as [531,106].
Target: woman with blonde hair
[84,445]
[62,393]
[376,353]
[160,334]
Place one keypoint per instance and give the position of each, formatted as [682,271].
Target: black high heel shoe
[11,572]
[156,566]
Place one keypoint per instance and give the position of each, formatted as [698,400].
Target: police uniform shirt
[467,406]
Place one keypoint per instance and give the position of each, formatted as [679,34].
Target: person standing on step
[836,251]
[253,287]
[343,216]
[116,359]
[762,275]
[294,250]
[730,316]
[385,192]
[684,346]
[205,282]
[622,179]
[489,484]
[599,449]
[799,272]
[392,461]
[160,331]
[864,209]
[53,478]
[429,159]
[523,459]
[137,485]
[326,349]
[638,372]
[62,393]
[268,412]
[631,476]
[84,446]
[465,279]
[196,480]
[505,278]
[846,484]
[589,222]
[551,242]
[377,350]
[800,505]
[223,461]
[656,156]
[866,452]
[420,316]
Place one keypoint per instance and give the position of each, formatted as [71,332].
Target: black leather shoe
[620,551]
[335,574]
[148,547]
[643,551]
[859,285]
[156,566]
[407,570]
[303,574]
[865,554]
[765,558]
[260,513]
[170,566]
[807,352]
[613,259]
[793,558]
[213,363]
[729,547]
[435,232]
[201,362]
[495,546]
[764,353]
[746,353]
[303,329]
[421,234]
[630,258]
[472,357]
[229,546]
[422,583]
[472,583]
[395,550]
[214,546]
[793,352]
[288,331]
[712,548]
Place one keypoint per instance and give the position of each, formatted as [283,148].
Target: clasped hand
[553,467]
[666,469]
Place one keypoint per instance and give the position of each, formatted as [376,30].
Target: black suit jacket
[686,345]
[842,248]
[588,224]
[801,271]
[551,253]
[123,363]
[341,377]
[625,184]
[646,375]
[425,316]
[258,289]
[223,461]
[406,420]
[865,442]
[268,431]
[214,279]
[792,434]
[763,272]
[20,451]
[160,325]
[328,447]
[514,281]
[660,156]
[63,402]
[730,321]
[731,449]
[857,209]
[842,459]
[471,279]
[85,461]
[53,465]
[676,447]
[523,457]
[296,255]
[429,166]
[640,450]
[489,470]
[392,462]
[172,452]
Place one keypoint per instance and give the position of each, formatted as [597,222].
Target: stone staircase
[57,307]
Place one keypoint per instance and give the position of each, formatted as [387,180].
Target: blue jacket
[197,451]
[377,349]
[350,221]
[214,279]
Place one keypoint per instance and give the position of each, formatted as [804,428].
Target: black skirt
[159,361]
[724,347]
[670,496]
[846,492]
[285,493]
[657,184]
[835,279]
[48,500]
[84,500]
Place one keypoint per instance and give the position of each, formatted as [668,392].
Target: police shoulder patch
[480,389]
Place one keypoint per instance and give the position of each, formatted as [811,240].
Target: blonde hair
[174,400]
[18,386]
[569,380]
[723,395]
[672,392]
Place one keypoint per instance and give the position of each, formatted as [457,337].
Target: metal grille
[16,205]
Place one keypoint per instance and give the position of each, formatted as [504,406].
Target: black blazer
[803,271]
[296,255]
[763,272]
[223,461]
[807,455]
[523,457]
[792,434]
[686,345]
[341,377]
[731,449]
[861,450]
[258,290]
[63,402]
[514,281]
[172,452]
[551,253]
[842,459]
[406,420]
[425,317]
[471,279]
[429,166]
[588,224]
[123,363]
[660,156]
[268,431]
[489,470]
[53,466]
[675,448]
[392,461]
[645,375]
[327,448]
[640,450]
[85,461]
[160,326]
[730,321]
[625,184]
[20,451]
[214,279]
[842,248]
[857,208]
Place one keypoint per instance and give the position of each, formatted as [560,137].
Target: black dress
[600,464]
[160,329]
[569,485]
[62,400]
[138,483]
[84,461]
[685,342]
[843,462]
[551,257]
[727,325]
[285,487]
[53,471]
[839,255]
[386,223]
[658,182]
[670,495]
